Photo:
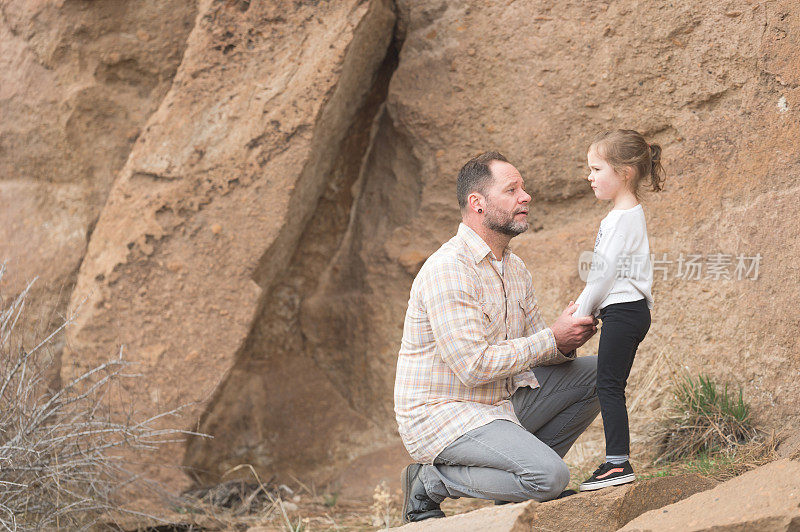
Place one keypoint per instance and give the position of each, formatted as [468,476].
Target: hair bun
[655,152]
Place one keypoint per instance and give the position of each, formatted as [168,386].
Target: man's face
[506,201]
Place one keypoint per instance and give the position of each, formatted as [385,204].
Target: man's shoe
[417,506]
[565,493]
[609,474]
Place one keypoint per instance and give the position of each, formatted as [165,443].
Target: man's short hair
[475,176]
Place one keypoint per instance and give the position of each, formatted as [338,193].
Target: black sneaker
[417,506]
[565,493]
[609,474]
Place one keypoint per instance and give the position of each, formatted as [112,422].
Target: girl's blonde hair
[623,148]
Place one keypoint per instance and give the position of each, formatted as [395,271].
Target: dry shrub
[57,463]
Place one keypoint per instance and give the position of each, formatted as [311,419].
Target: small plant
[330,499]
[656,474]
[704,419]
[382,506]
[709,463]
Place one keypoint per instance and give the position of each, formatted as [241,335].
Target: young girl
[619,284]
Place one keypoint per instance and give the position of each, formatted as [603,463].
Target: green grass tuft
[702,398]
[703,420]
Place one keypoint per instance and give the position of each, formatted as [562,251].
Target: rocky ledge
[765,499]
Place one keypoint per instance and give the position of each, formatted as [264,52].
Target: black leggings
[624,327]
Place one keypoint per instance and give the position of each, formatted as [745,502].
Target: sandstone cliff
[78,81]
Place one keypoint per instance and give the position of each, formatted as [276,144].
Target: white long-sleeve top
[621,269]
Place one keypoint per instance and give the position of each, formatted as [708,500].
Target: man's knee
[550,479]
[556,479]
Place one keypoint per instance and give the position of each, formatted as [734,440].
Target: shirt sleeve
[603,271]
[451,299]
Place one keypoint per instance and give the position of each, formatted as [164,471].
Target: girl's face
[606,183]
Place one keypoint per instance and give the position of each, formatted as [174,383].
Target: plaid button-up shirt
[470,337]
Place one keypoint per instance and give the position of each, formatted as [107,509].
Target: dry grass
[720,465]
[57,463]
[242,504]
[238,503]
[301,507]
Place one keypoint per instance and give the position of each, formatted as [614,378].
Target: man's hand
[571,332]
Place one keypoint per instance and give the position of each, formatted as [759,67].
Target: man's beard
[503,222]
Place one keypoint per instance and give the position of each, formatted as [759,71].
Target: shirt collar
[477,245]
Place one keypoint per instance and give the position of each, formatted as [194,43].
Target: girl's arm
[603,272]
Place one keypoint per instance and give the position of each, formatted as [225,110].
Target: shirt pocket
[493,316]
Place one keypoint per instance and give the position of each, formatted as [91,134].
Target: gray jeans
[506,462]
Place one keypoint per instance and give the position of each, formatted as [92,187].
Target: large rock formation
[716,83]
[78,80]
[257,247]
[270,109]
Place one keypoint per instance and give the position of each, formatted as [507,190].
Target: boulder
[603,510]
[765,499]
[789,444]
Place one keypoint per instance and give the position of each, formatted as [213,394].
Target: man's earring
[480,211]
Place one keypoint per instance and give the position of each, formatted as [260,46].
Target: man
[488,398]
